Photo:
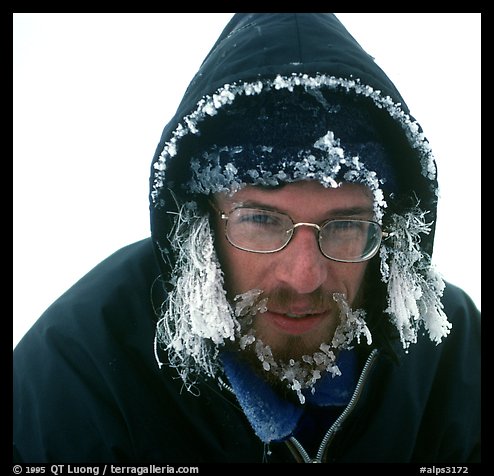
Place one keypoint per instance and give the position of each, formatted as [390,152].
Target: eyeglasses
[266,231]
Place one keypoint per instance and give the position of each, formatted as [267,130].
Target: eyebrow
[351,211]
[334,213]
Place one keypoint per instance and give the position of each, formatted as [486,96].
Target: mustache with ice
[305,372]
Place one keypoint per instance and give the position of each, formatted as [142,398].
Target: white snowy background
[92,92]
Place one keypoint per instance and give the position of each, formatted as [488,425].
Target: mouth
[295,323]
[298,316]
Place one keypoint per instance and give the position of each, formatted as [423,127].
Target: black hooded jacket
[87,385]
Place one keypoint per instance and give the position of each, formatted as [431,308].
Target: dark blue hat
[273,132]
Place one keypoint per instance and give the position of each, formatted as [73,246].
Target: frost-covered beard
[288,369]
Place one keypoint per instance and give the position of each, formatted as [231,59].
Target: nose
[301,265]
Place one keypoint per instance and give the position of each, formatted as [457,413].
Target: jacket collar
[274,418]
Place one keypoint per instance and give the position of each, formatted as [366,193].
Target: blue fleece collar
[274,418]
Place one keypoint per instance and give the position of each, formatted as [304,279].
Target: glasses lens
[350,240]
[258,230]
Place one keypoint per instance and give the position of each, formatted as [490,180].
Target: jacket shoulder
[463,314]
[455,297]
[82,350]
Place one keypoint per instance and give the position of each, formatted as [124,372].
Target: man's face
[299,281]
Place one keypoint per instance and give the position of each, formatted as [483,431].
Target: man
[285,308]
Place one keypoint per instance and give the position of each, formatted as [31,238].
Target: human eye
[346,225]
[345,229]
[264,219]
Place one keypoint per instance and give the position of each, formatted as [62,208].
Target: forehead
[301,196]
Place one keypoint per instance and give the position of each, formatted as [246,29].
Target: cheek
[354,278]
[242,270]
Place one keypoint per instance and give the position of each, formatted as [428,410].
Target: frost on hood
[211,105]
[196,317]
[334,168]
[414,287]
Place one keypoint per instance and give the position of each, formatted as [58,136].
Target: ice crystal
[351,327]
[414,287]
[210,176]
[249,303]
[302,374]
[246,340]
[196,317]
[210,105]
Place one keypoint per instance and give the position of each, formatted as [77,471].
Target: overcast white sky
[92,93]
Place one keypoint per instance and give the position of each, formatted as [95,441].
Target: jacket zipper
[296,447]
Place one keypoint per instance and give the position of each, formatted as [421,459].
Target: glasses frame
[225,217]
